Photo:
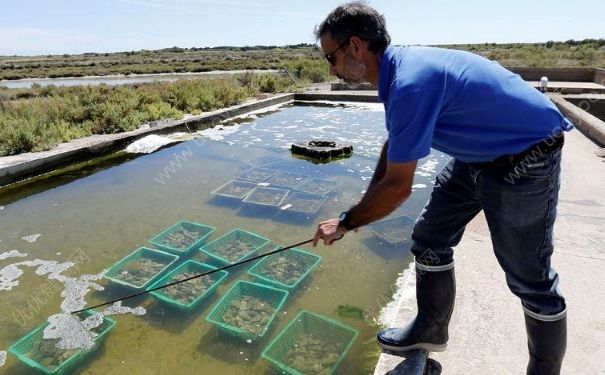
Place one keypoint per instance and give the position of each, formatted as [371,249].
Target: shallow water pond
[97,219]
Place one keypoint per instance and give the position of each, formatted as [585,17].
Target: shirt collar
[385,74]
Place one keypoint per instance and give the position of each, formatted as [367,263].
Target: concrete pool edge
[591,126]
[19,167]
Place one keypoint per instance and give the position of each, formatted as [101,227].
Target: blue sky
[31,27]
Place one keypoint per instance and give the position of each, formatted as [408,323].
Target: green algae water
[96,219]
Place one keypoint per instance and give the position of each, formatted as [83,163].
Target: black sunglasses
[330,56]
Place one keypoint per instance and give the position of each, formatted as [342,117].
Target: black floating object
[321,149]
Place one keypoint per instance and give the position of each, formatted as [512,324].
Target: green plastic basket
[237,234]
[327,331]
[24,345]
[114,272]
[307,261]
[188,266]
[273,296]
[202,230]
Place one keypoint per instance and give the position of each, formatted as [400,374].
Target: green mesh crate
[292,350]
[219,249]
[286,269]
[133,261]
[22,349]
[274,297]
[183,237]
[195,268]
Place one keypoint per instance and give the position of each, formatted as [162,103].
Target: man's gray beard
[355,72]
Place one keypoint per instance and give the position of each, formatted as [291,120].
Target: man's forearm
[384,198]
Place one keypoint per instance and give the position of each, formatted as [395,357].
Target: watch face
[342,216]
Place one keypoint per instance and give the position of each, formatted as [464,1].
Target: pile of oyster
[311,355]
[181,239]
[139,273]
[187,292]
[233,251]
[45,353]
[249,313]
[283,269]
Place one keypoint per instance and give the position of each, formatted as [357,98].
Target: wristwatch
[344,220]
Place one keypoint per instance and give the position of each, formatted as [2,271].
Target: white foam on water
[150,143]
[418,186]
[31,238]
[12,254]
[218,132]
[118,309]
[1,208]
[429,166]
[9,276]
[404,297]
[70,332]
[285,207]
[2,358]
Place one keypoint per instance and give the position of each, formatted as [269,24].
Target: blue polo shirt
[460,103]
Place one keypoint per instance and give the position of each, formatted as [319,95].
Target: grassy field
[39,118]
[569,54]
[550,54]
[170,60]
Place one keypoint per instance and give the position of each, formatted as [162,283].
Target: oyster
[181,239]
[140,272]
[48,355]
[311,355]
[233,251]
[186,292]
[283,269]
[249,313]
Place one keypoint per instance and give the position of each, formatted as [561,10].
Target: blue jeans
[519,200]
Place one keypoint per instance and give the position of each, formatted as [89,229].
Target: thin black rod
[193,277]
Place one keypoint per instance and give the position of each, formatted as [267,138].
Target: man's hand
[329,231]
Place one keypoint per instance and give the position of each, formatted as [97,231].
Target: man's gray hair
[356,19]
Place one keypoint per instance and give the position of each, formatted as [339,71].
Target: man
[505,139]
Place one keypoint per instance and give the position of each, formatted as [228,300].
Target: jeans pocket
[536,168]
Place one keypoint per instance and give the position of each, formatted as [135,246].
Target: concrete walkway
[487,334]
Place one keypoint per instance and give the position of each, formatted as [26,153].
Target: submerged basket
[113,273]
[395,230]
[234,189]
[329,332]
[318,186]
[265,196]
[203,231]
[257,174]
[288,179]
[24,345]
[273,296]
[188,266]
[254,239]
[306,260]
[303,203]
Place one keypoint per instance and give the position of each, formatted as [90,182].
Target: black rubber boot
[435,293]
[546,342]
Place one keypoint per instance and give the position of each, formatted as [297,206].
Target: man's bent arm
[384,195]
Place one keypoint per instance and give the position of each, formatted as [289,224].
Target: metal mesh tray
[266,196]
[235,189]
